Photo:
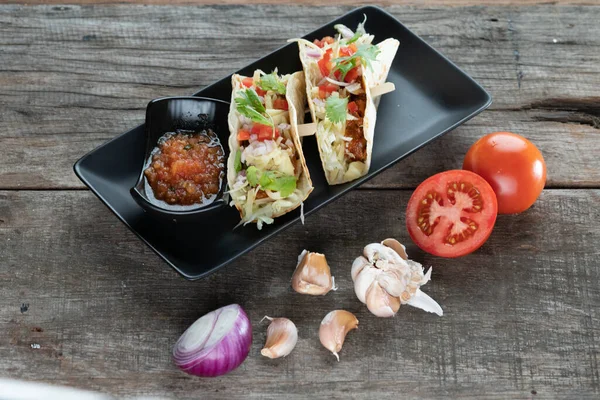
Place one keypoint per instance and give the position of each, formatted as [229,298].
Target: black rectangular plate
[432,97]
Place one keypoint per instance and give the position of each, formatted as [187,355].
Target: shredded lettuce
[252,174]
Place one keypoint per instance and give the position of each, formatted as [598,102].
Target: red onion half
[216,343]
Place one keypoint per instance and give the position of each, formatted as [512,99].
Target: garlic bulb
[312,275]
[334,328]
[282,336]
[384,278]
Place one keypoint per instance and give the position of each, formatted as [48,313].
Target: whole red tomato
[512,165]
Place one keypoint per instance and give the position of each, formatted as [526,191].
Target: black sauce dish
[172,114]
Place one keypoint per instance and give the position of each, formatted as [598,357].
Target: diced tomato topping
[348,50]
[351,75]
[325,63]
[248,82]
[243,135]
[280,104]
[326,89]
[324,66]
[326,40]
[260,92]
[264,132]
[352,107]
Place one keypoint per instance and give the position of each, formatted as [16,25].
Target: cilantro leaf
[336,108]
[272,83]
[237,163]
[249,98]
[252,174]
[365,54]
[277,182]
[254,115]
[249,105]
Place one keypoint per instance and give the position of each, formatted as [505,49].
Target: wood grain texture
[72,77]
[521,314]
[446,3]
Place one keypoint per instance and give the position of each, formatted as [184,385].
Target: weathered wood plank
[446,3]
[72,77]
[521,314]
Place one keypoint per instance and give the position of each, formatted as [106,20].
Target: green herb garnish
[344,68]
[237,163]
[365,54]
[278,182]
[249,105]
[354,38]
[272,83]
[249,98]
[336,108]
[187,147]
[271,180]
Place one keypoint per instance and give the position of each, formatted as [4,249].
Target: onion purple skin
[222,357]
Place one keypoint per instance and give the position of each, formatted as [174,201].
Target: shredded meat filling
[356,149]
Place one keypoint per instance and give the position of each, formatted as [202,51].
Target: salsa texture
[186,168]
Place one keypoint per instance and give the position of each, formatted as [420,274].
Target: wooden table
[521,314]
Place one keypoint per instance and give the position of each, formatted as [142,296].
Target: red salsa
[186,168]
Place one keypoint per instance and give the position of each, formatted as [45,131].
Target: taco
[266,169]
[340,73]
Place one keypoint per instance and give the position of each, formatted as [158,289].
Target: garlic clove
[282,336]
[424,302]
[358,266]
[334,328]
[396,246]
[364,279]
[312,275]
[377,251]
[380,302]
[391,282]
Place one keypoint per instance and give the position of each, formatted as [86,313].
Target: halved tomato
[452,213]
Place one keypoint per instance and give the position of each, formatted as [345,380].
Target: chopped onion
[336,82]
[344,31]
[283,127]
[215,344]
[354,88]
[313,53]
[322,81]
[319,102]
[245,120]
